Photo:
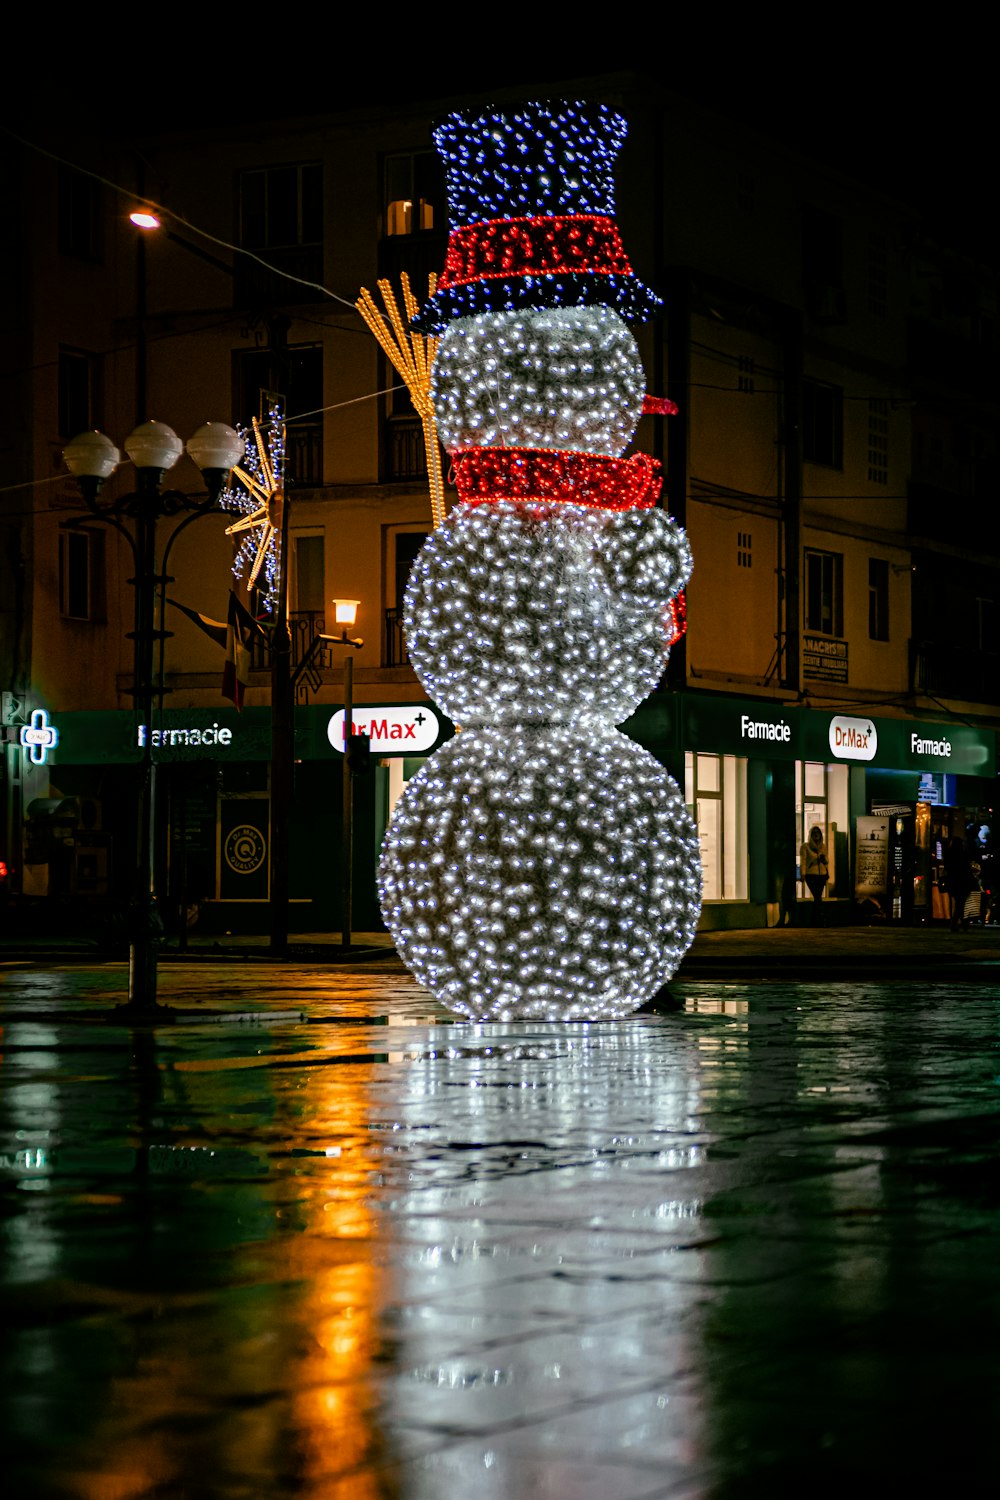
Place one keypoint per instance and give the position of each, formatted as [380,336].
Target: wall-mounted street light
[153,448]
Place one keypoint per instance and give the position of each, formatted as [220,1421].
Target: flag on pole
[234,636]
[216,630]
[240,629]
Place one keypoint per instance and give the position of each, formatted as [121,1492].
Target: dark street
[316,1239]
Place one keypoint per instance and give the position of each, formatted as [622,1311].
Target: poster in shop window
[871,857]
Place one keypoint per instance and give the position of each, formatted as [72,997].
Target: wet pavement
[316,1239]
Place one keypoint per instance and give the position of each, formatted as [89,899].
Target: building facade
[831,457]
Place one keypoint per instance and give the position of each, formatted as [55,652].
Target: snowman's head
[563,377]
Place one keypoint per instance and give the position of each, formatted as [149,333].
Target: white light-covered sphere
[561,377]
[541,874]
[535,612]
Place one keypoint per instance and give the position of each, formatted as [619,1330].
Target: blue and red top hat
[531,203]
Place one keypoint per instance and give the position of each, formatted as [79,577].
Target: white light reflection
[536,1185]
[29,1089]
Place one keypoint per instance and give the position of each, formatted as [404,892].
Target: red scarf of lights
[541,246]
[676,621]
[549,474]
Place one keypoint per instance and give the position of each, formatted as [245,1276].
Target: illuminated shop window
[821,801]
[715,789]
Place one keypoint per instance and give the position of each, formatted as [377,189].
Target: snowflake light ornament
[259,496]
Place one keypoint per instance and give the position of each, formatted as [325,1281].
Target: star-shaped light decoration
[259,494]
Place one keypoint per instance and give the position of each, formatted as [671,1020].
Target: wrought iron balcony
[304,625]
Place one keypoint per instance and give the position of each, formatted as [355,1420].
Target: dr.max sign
[853,739]
[406,729]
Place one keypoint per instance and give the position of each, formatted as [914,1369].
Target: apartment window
[293,379]
[823,265]
[280,217]
[76,392]
[414,192]
[824,576]
[878,599]
[878,274]
[986,624]
[715,789]
[746,373]
[407,545]
[308,576]
[403,549]
[823,424]
[822,247]
[744,556]
[78,215]
[878,440]
[404,454]
[81,574]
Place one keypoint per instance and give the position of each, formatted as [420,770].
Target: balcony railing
[304,453]
[942,671]
[304,625]
[405,457]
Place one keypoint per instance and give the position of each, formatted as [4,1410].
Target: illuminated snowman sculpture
[541,866]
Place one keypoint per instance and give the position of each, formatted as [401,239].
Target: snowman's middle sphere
[542,613]
[560,377]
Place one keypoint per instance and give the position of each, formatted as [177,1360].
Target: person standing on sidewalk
[815,866]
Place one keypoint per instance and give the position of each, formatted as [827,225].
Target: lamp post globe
[215,448]
[154,447]
[91,458]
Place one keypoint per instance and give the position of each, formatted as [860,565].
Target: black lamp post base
[144,1014]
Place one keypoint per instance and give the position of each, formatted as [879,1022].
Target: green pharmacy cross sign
[39,737]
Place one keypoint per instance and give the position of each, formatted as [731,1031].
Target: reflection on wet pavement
[320,1240]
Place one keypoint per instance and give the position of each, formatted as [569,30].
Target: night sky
[913,114]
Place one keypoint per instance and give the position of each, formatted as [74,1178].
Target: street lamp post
[345,613]
[92,458]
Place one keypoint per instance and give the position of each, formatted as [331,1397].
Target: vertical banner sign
[871,861]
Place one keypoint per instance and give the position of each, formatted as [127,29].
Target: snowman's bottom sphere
[539,873]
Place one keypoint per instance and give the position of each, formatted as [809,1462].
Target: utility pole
[791,677]
[348,823]
[282,749]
